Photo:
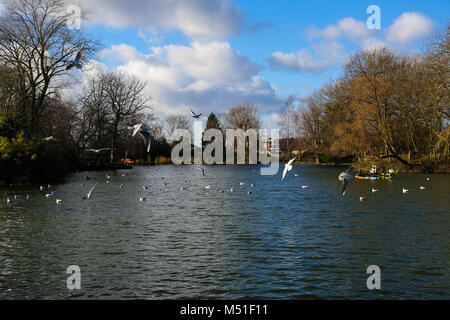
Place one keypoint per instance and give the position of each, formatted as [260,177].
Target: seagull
[231,190]
[142,199]
[405,190]
[362,198]
[89,194]
[97,150]
[305,187]
[145,187]
[249,192]
[144,132]
[49,139]
[17,197]
[28,197]
[48,195]
[428,179]
[208,187]
[121,186]
[242,183]
[42,188]
[375,190]
[196,116]
[58,201]
[8,200]
[76,63]
[422,188]
[344,176]
[287,167]
[203,171]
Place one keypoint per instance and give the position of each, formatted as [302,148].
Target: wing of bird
[90,191]
[344,186]
[137,128]
[80,54]
[193,113]
[70,66]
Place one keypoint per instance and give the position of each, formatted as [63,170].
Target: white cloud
[326,54]
[348,28]
[210,77]
[196,18]
[409,27]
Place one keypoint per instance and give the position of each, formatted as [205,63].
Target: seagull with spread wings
[144,132]
[344,177]
[287,167]
[196,116]
[77,62]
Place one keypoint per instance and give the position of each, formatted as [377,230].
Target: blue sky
[213,54]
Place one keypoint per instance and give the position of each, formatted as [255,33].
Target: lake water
[279,242]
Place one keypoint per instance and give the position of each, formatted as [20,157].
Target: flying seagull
[76,63]
[97,150]
[287,167]
[90,191]
[144,132]
[51,138]
[196,116]
[344,176]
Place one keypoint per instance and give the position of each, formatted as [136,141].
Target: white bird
[422,188]
[144,132]
[89,194]
[145,187]
[428,179]
[97,150]
[231,190]
[405,190]
[374,190]
[8,200]
[242,183]
[142,199]
[77,62]
[305,187]
[51,138]
[287,167]
[249,192]
[208,187]
[121,186]
[58,201]
[42,188]
[362,198]
[195,116]
[28,197]
[48,195]
[344,177]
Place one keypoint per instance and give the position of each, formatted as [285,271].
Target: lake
[278,242]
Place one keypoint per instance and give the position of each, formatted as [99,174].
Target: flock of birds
[344,177]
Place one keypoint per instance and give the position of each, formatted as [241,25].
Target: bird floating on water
[374,190]
[362,199]
[287,167]
[58,201]
[17,197]
[8,200]
[422,188]
[141,199]
[51,138]
[305,187]
[208,187]
[405,190]
[344,177]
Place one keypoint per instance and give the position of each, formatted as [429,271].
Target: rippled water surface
[279,242]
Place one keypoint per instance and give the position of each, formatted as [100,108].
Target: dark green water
[280,242]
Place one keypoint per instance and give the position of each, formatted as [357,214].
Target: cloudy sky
[211,55]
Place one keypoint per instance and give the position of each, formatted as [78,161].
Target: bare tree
[244,117]
[174,122]
[36,42]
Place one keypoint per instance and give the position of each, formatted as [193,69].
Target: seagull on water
[142,199]
[405,190]
[208,187]
[287,167]
[362,199]
[51,138]
[8,200]
[58,201]
[344,177]
[17,197]
[77,62]
[422,188]
[374,190]
[305,187]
